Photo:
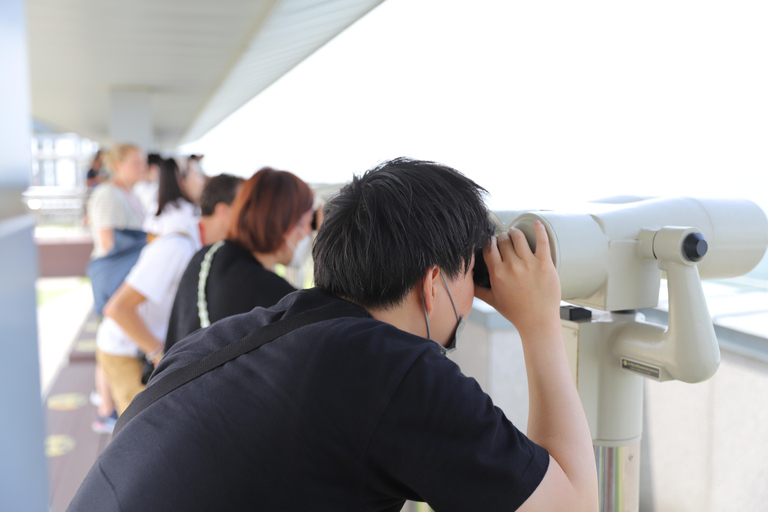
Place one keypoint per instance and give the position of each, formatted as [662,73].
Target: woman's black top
[236,284]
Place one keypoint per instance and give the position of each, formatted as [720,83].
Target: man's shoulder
[352,334]
[178,244]
[164,257]
[344,326]
[346,334]
[232,254]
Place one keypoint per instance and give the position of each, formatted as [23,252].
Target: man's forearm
[130,322]
[556,419]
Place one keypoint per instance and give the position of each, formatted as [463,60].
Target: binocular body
[607,254]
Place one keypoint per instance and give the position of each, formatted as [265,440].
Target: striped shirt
[111,207]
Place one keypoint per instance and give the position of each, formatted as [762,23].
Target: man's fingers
[506,247]
[522,249]
[491,252]
[542,241]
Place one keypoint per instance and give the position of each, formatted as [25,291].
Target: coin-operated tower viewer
[611,259]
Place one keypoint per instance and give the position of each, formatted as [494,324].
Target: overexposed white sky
[540,102]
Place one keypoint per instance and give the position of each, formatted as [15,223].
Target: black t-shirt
[236,284]
[349,414]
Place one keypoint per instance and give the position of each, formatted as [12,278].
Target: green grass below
[46,295]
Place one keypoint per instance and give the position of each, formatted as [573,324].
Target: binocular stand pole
[613,402]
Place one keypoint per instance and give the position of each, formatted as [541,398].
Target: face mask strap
[426,317]
[424,305]
[455,311]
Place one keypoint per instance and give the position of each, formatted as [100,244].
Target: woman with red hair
[271,224]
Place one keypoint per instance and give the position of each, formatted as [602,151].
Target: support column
[130,118]
[23,468]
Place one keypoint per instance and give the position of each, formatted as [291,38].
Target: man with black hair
[216,206]
[361,409]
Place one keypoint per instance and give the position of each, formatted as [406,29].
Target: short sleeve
[442,438]
[105,208]
[160,266]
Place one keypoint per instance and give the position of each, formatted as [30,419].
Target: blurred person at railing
[136,316]
[113,206]
[194,177]
[271,223]
[176,200]
[94,176]
[349,403]
[216,207]
[147,190]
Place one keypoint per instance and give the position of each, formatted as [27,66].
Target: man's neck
[407,316]
[212,230]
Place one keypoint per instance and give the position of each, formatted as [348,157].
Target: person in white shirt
[137,315]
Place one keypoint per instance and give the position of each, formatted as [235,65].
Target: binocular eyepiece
[480,274]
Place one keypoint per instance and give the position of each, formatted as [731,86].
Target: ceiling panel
[200,59]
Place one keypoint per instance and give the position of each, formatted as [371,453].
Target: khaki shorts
[124,376]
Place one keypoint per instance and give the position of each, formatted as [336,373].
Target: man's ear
[428,287]
[223,212]
[221,209]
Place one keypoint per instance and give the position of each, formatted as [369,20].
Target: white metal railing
[57,205]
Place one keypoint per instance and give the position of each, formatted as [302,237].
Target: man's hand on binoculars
[525,287]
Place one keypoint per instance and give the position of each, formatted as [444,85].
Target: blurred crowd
[175,250]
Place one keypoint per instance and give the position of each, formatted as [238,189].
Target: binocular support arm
[688,349]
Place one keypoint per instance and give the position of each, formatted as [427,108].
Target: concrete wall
[709,441]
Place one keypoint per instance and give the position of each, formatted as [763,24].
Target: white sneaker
[96,399]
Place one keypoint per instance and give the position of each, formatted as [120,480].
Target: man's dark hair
[385,229]
[154,159]
[219,189]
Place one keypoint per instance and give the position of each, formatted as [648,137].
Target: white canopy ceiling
[200,60]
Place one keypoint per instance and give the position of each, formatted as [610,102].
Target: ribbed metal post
[618,473]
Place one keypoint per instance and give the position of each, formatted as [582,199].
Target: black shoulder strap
[246,344]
